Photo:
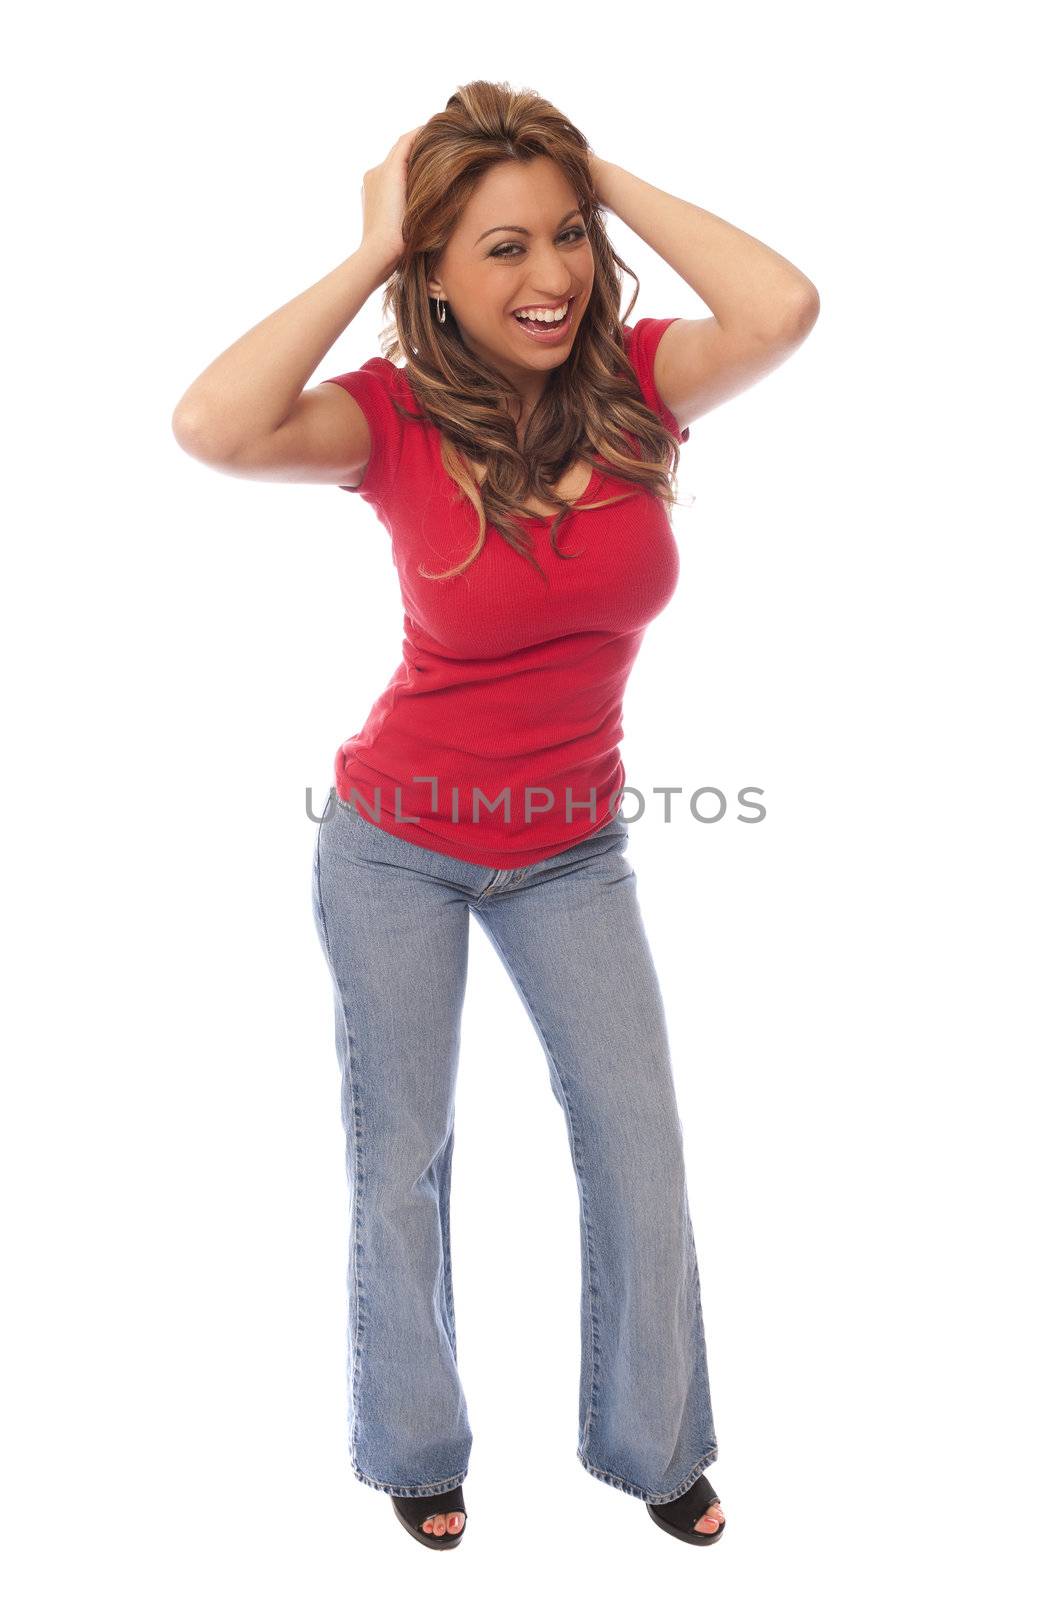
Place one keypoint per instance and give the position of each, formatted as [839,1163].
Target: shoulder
[376,379]
[640,346]
[376,386]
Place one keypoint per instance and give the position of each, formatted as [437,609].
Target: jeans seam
[706,1460]
[411,1489]
[444,1220]
[697,1287]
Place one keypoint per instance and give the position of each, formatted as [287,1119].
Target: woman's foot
[710,1520]
[437,1520]
[695,1516]
[444,1522]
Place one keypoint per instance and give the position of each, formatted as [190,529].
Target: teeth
[544,316]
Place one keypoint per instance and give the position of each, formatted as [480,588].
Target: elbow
[194,435]
[804,311]
[181,428]
[790,319]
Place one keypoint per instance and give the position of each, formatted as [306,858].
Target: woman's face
[520,243]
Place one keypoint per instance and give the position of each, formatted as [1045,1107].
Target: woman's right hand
[384,201]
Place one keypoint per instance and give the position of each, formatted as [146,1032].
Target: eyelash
[581,233]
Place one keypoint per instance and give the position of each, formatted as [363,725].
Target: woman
[522,460]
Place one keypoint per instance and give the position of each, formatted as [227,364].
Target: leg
[396,943]
[572,939]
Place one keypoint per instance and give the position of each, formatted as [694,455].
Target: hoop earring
[439,303]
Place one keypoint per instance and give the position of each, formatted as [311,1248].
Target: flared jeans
[393,921]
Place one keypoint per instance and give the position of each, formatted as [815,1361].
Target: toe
[709,1521]
[444,1522]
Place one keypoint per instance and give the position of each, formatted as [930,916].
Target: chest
[615,568]
[571,486]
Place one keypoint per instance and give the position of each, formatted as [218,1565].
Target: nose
[549,297]
[546,293]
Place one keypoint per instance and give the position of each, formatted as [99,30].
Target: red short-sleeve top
[497,737]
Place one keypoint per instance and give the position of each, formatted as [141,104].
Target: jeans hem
[643,1494]
[409,1490]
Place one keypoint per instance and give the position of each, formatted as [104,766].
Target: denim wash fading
[393,921]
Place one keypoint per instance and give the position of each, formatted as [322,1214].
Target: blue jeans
[393,921]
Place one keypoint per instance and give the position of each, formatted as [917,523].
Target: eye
[577,233]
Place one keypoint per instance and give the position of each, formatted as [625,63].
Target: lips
[546,332]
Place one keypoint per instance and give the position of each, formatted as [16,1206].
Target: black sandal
[678,1517]
[412,1510]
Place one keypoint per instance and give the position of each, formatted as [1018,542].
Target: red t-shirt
[510,692]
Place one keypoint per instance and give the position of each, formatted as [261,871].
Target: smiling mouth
[548,327]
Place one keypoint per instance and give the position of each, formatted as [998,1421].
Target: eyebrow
[513,227]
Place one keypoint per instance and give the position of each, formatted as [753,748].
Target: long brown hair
[591,403]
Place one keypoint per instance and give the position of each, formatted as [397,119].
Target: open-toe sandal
[678,1517]
[413,1510]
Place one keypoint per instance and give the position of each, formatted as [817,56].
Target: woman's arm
[745,284]
[250,390]
[250,413]
[762,305]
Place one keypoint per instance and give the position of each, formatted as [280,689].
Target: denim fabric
[393,921]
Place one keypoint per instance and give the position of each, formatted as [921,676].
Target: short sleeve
[372,385]
[641,343]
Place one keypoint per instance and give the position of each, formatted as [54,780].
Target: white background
[862,991]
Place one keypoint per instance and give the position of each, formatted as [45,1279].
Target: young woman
[523,461]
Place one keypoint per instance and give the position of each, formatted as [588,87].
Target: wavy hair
[591,404]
